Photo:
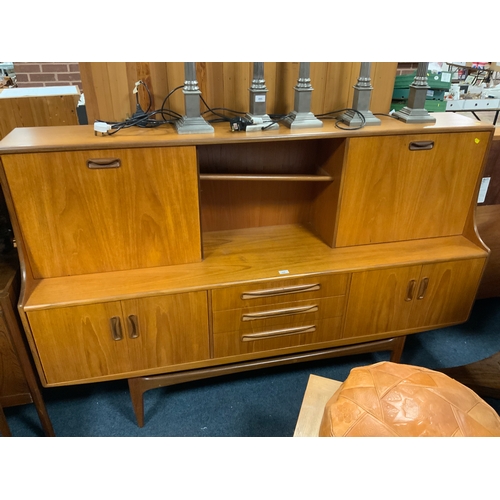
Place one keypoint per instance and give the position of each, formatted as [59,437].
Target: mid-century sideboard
[148,252]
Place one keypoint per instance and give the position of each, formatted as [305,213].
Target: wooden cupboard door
[380,301]
[80,343]
[141,211]
[167,330]
[394,189]
[446,293]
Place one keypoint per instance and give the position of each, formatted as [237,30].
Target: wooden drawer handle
[133,326]
[410,291]
[278,333]
[273,292]
[104,163]
[116,328]
[279,312]
[423,288]
[421,145]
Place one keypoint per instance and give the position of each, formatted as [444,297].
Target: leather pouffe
[390,399]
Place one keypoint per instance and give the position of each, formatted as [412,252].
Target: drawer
[278,292]
[301,334]
[288,314]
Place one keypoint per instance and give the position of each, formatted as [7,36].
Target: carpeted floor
[262,403]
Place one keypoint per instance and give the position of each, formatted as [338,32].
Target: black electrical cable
[333,115]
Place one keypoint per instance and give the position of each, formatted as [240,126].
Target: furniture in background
[147,253]
[18,381]
[37,107]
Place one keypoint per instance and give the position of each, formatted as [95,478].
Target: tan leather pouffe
[391,399]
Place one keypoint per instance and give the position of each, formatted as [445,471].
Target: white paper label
[446,77]
[260,98]
[283,272]
[485,182]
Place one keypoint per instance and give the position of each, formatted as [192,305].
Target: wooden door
[446,293]
[380,301]
[398,188]
[167,330]
[104,340]
[81,342]
[141,211]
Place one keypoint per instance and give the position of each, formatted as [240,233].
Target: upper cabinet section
[408,187]
[94,211]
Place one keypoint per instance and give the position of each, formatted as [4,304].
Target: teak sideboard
[147,252]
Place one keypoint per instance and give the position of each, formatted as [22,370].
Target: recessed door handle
[116,328]
[280,291]
[95,163]
[421,145]
[133,326]
[423,288]
[410,291]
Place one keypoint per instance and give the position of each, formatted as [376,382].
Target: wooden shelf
[244,256]
[256,177]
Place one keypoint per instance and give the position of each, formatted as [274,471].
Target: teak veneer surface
[247,255]
[81,137]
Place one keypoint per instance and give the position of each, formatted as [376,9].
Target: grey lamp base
[354,120]
[193,125]
[409,115]
[266,122]
[302,120]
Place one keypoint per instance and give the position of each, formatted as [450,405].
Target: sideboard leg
[397,351]
[137,396]
[4,426]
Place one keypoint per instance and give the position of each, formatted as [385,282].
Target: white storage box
[454,104]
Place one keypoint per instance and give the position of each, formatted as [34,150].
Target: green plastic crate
[434,80]
[431,106]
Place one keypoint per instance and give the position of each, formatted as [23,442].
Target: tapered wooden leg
[397,351]
[4,426]
[136,389]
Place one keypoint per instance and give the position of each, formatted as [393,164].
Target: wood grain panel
[390,193]
[75,343]
[143,214]
[171,330]
[377,301]
[450,293]
[488,225]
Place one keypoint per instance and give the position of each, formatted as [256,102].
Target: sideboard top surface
[82,137]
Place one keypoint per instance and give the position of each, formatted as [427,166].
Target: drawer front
[300,334]
[263,318]
[278,292]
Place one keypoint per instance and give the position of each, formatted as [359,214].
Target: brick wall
[47,74]
[406,68]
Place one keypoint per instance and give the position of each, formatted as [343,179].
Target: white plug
[101,128]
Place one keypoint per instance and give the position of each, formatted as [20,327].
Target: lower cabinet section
[107,339]
[412,297]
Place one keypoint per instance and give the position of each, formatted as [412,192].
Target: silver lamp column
[414,111]
[361,101]
[301,116]
[258,92]
[192,122]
